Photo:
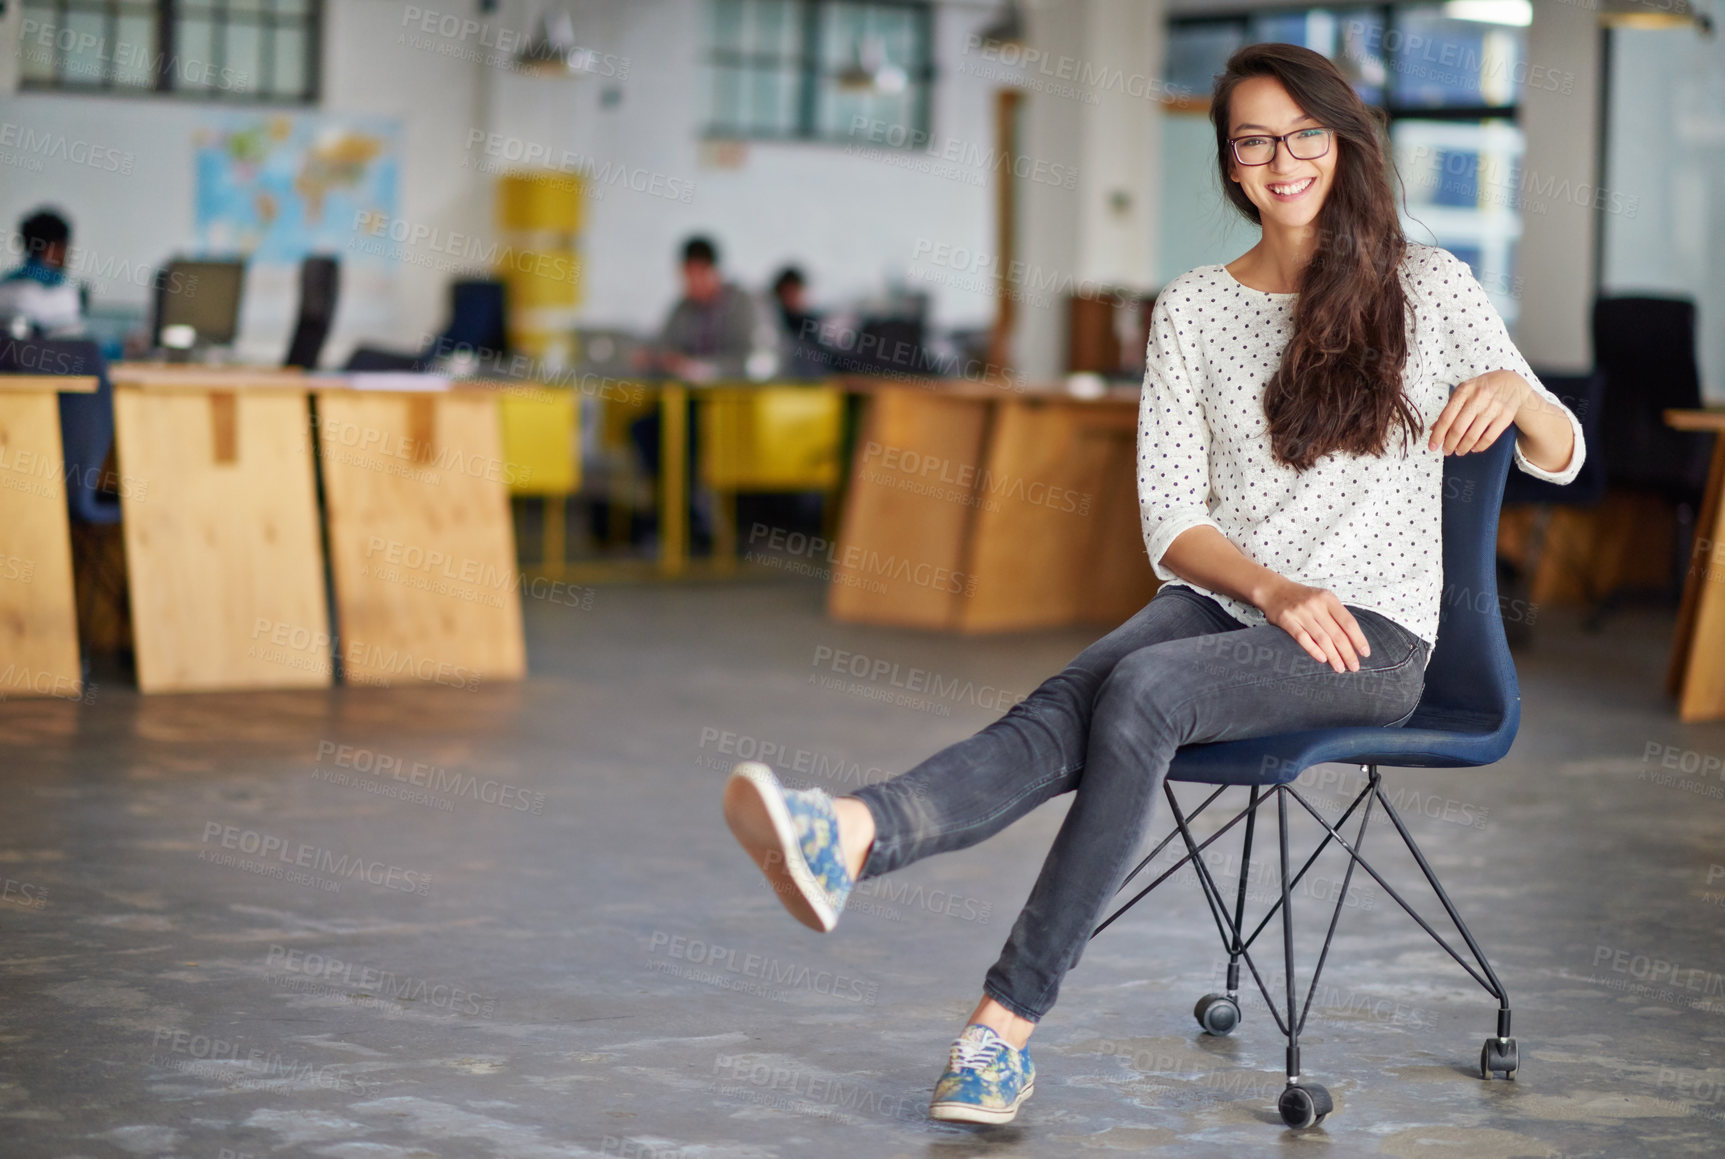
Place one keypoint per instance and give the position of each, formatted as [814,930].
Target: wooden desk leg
[899,555]
[725,530]
[223,556]
[1697,670]
[552,547]
[673,479]
[38,617]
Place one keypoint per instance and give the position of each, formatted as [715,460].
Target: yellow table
[977,508]
[1696,674]
[38,608]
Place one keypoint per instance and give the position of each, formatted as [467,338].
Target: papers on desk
[397,380]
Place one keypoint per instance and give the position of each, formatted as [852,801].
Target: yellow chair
[767,438]
[542,454]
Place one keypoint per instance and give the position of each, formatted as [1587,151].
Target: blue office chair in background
[86,420]
[1466,716]
[478,325]
[86,437]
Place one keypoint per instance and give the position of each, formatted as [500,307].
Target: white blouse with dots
[1367,527]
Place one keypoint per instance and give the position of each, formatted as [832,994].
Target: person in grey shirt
[711,329]
[708,337]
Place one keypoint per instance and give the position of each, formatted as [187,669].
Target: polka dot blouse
[1367,527]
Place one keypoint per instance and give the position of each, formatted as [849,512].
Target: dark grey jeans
[1180,671]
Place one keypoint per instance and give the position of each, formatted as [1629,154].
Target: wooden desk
[224,560]
[38,609]
[420,538]
[976,508]
[1696,674]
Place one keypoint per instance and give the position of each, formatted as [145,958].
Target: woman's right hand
[1318,622]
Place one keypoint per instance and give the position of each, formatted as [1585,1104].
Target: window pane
[36,42]
[1438,61]
[135,53]
[727,24]
[85,48]
[221,47]
[775,31]
[194,42]
[1360,52]
[1197,53]
[290,78]
[842,29]
[869,63]
[1463,183]
[1314,30]
[772,103]
[242,54]
[728,99]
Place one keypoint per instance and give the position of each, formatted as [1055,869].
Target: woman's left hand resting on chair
[1480,409]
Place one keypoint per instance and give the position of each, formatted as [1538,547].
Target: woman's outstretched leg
[813,849]
[973,789]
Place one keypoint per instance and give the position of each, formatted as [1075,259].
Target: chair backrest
[477,314]
[1585,395]
[86,420]
[1470,678]
[319,287]
[1646,347]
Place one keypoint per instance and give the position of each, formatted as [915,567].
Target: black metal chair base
[1304,1104]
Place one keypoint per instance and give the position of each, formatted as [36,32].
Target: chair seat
[1431,739]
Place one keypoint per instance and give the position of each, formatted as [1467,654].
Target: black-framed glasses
[1260,148]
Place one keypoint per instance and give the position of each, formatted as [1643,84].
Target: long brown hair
[1339,385]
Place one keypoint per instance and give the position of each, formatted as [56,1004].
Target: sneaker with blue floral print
[986,1079]
[793,835]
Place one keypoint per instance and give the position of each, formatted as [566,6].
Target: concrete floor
[510,922]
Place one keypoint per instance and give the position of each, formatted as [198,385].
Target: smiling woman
[1290,470]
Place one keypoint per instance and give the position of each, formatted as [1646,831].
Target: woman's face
[1260,105]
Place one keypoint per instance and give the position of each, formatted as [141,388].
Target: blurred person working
[708,336]
[801,353]
[37,299]
[711,330]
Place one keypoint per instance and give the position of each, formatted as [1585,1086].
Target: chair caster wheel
[1498,1057]
[1218,1014]
[1304,1106]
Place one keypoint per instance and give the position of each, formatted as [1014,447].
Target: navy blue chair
[1467,715]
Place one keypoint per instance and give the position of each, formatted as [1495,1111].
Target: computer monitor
[607,351]
[202,294]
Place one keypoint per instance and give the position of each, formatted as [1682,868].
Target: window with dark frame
[223,50]
[1448,89]
[799,70]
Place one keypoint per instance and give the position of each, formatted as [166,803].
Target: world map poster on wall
[275,187]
